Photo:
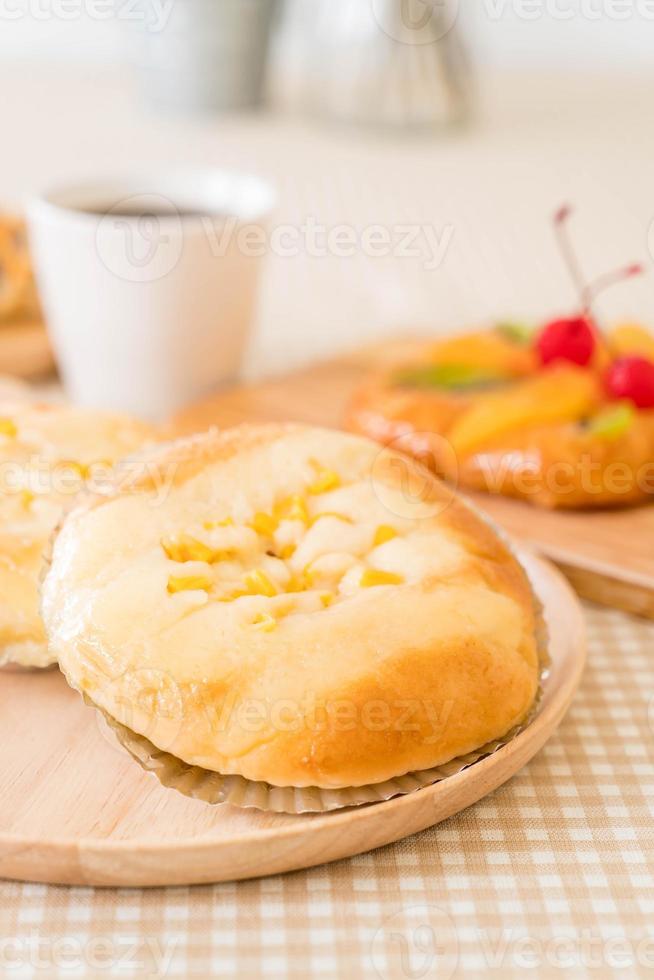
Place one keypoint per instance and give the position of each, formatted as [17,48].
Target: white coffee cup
[148,285]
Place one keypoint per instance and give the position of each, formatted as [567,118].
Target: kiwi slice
[518,333]
[613,422]
[452,377]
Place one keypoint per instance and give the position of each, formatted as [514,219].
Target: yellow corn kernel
[265,524]
[232,596]
[190,583]
[73,464]
[292,508]
[26,498]
[373,576]
[383,534]
[212,525]
[185,548]
[258,583]
[325,479]
[264,622]
[331,513]
[8,428]
[327,598]
[296,583]
[287,552]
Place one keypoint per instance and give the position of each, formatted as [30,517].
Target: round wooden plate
[74,809]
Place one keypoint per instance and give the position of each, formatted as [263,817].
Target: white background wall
[602,35]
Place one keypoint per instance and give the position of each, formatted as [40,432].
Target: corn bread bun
[18,296]
[293,605]
[47,454]
[494,423]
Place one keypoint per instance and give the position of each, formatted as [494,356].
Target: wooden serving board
[607,555]
[75,809]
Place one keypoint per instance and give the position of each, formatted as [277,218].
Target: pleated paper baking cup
[214,788]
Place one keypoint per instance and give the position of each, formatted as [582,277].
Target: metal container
[210,55]
[379,62]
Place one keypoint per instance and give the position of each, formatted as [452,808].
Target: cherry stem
[567,250]
[588,292]
[593,289]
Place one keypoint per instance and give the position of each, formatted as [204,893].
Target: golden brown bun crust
[382,681]
[47,453]
[555,464]
[18,296]
[567,467]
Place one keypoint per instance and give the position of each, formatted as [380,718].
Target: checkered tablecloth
[551,875]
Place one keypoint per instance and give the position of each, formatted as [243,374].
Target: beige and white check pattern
[551,875]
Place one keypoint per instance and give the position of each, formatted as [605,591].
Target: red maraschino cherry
[575,338]
[632,377]
[570,339]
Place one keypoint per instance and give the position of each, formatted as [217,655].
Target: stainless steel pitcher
[380,62]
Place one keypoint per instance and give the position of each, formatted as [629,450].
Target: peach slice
[488,350]
[631,338]
[562,394]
